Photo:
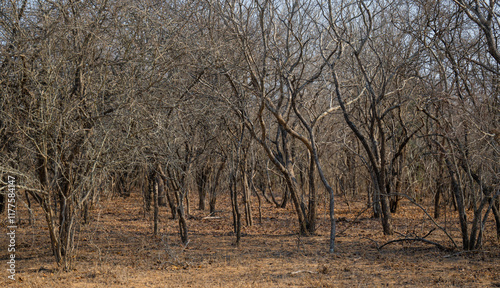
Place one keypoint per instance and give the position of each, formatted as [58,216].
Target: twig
[441,247]
[430,217]
[211,217]
[186,245]
[376,243]
[426,235]
[303,271]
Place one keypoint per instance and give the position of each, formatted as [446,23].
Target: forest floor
[117,249]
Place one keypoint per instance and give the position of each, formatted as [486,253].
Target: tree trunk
[246,192]
[377,210]
[183,230]
[383,193]
[170,198]
[459,201]
[496,215]
[148,192]
[215,184]
[201,183]
[311,217]
[162,197]
[155,203]
[235,209]
[188,203]
[437,207]
[386,215]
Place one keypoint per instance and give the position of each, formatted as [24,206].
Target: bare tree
[465,74]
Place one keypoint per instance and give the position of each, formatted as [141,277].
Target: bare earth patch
[117,249]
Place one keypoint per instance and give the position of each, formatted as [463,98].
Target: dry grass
[118,250]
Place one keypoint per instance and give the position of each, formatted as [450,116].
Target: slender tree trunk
[246,197]
[235,208]
[270,186]
[162,198]
[170,198]
[148,192]
[302,217]
[155,203]
[183,230]
[286,195]
[384,203]
[188,203]
[386,215]
[293,187]
[259,200]
[215,184]
[377,210]
[312,196]
[458,197]
[496,215]
[201,181]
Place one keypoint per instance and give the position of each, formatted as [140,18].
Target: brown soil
[118,250]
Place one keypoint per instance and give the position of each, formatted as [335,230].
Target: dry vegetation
[118,250]
[119,118]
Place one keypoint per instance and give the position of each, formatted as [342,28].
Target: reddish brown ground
[118,250]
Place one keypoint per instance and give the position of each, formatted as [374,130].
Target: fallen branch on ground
[303,271]
[211,217]
[439,246]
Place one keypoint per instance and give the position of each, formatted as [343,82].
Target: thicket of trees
[282,101]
